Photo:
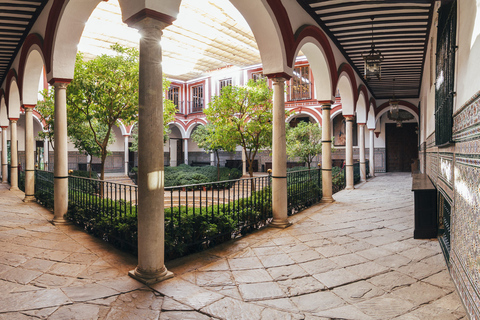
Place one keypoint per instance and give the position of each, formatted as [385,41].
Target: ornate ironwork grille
[444,225]
[300,84]
[197,97]
[173,95]
[445,72]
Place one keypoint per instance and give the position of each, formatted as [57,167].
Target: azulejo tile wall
[465,256]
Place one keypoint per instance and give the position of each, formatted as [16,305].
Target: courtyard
[352,259]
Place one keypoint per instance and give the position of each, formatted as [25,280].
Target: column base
[281,224]
[14,189]
[29,199]
[61,221]
[150,278]
[327,200]
[349,188]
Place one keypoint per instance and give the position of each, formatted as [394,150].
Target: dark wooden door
[402,146]
[180,154]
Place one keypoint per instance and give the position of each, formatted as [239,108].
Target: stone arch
[192,125]
[31,66]
[180,128]
[123,128]
[362,107]
[3,110]
[302,111]
[371,121]
[13,101]
[402,104]
[314,43]
[347,86]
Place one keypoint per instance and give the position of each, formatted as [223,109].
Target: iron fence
[44,187]
[304,189]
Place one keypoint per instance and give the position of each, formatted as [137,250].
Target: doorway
[402,147]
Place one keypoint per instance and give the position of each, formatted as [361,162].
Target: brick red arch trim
[31,40]
[404,103]
[345,67]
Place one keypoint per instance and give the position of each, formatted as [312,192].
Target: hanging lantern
[372,61]
[393,102]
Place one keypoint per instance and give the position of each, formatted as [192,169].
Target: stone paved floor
[353,259]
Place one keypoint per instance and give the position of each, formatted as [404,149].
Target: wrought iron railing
[44,187]
[304,189]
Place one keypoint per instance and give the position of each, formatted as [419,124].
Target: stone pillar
[13,155]
[326,154]
[29,155]
[244,163]
[185,145]
[372,152]
[212,158]
[349,153]
[4,155]
[89,159]
[125,147]
[151,216]
[60,158]
[279,157]
[173,152]
[46,147]
[361,140]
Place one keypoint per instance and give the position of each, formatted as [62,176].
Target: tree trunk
[218,165]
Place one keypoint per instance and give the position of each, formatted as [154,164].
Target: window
[224,83]
[172,95]
[300,84]
[258,76]
[445,72]
[197,98]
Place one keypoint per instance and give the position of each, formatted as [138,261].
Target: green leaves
[304,141]
[242,116]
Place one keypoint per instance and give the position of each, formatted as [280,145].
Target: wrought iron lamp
[393,102]
[372,61]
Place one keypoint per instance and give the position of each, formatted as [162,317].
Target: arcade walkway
[353,259]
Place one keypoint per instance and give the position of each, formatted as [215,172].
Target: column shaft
[244,163]
[349,153]
[279,157]
[363,168]
[60,158]
[4,155]
[125,147]
[326,154]
[173,152]
[185,145]
[150,210]
[13,155]
[29,155]
[372,152]
[46,147]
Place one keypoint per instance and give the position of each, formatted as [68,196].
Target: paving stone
[348,260]
[385,307]
[318,243]
[318,266]
[420,270]
[41,313]
[358,291]
[19,275]
[186,293]
[287,272]
[229,291]
[393,261]
[66,269]
[318,301]
[345,313]
[214,278]
[299,286]
[284,304]
[374,253]
[38,299]
[442,280]
[336,277]
[88,292]
[260,291]
[251,276]
[272,314]
[277,260]
[418,253]
[220,265]
[38,264]
[12,259]
[332,251]
[77,311]
[295,248]
[420,293]
[183,315]
[367,269]
[229,308]
[245,263]
[15,316]
[390,280]
[51,281]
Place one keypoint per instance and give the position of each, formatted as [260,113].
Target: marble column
[13,155]
[349,153]
[326,154]
[60,158]
[361,140]
[173,152]
[279,157]
[46,148]
[151,216]
[185,155]
[4,155]
[244,163]
[125,156]
[29,155]
[212,158]
[372,152]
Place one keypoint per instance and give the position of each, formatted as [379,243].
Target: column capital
[137,19]
[280,76]
[326,102]
[60,82]
[361,124]
[373,130]
[4,127]
[29,106]
[150,26]
[13,120]
[349,117]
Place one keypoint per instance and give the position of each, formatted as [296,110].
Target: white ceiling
[207,35]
